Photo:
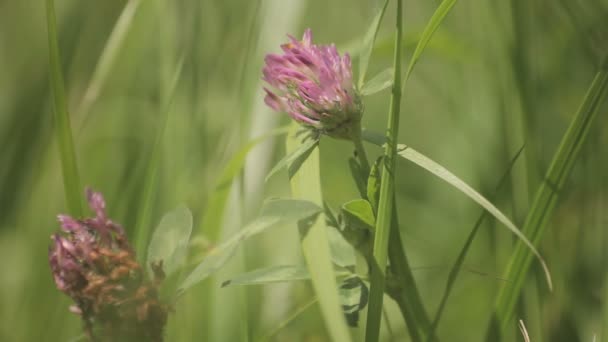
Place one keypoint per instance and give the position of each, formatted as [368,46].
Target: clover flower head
[314,85]
[92,262]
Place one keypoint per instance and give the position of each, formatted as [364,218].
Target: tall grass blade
[306,184]
[387,191]
[440,13]
[107,58]
[368,43]
[465,249]
[546,199]
[63,128]
[142,227]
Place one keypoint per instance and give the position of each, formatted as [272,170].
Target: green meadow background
[497,75]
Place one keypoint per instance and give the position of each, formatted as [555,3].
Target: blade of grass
[368,43]
[306,184]
[107,59]
[387,191]
[433,24]
[463,252]
[546,199]
[142,227]
[63,129]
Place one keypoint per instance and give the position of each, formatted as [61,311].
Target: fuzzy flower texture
[314,85]
[94,264]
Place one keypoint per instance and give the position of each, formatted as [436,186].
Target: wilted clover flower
[314,85]
[94,264]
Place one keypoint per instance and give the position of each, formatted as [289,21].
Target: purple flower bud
[314,85]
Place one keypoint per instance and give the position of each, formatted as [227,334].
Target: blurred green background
[496,75]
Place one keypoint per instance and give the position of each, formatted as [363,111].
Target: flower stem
[400,286]
[360,153]
[387,189]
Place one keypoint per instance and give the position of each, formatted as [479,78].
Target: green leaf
[432,25]
[361,212]
[295,158]
[342,253]
[273,274]
[63,127]
[306,184]
[273,212]
[358,225]
[330,217]
[377,84]
[368,43]
[445,175]
[214,211]
[169,243]
[546,197]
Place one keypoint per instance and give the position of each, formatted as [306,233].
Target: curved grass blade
[379,261]
[448,177]
[463,252]
[63,128]
[368,43]
[214,211]
[306,184]
[440,13]
[546,199]
[441,172]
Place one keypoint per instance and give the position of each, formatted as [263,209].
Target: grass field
[162,96]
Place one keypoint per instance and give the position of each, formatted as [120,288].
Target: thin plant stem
[360,152]
[401,286]
[387,190]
